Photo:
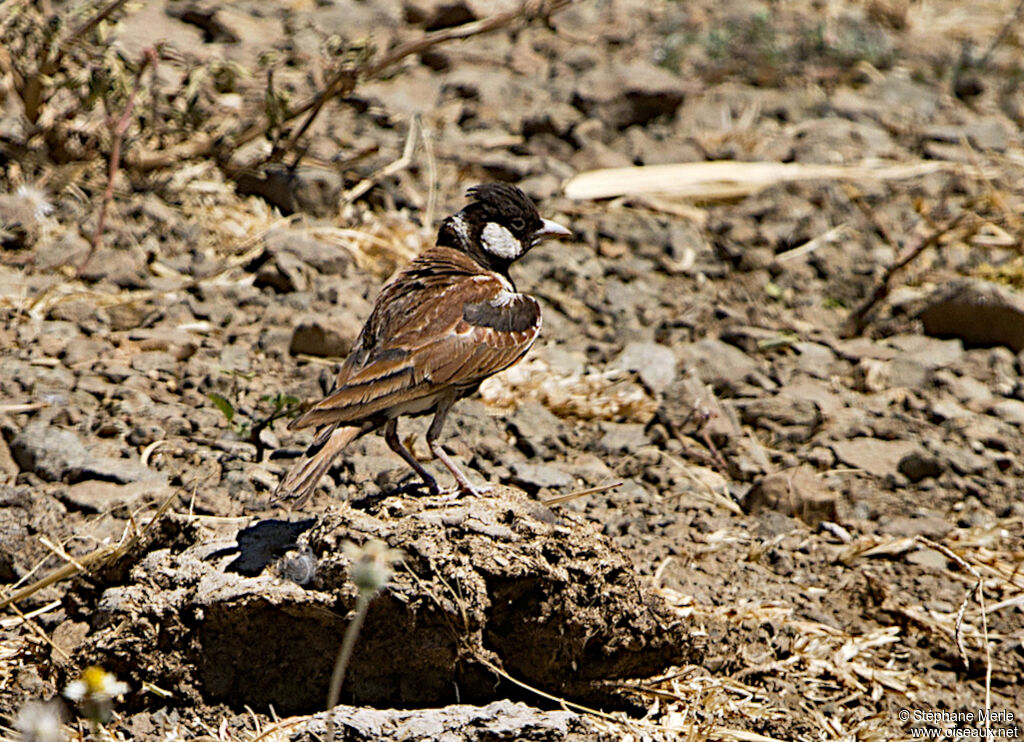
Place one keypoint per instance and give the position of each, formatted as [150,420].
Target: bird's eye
[518,225]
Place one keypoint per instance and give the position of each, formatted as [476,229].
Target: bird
[447,321]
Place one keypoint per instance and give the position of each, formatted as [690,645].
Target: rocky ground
[817,456]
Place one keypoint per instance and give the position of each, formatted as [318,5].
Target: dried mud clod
[493,582]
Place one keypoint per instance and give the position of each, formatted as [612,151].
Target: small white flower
[371,564]
[95,684]
[39,721]
[94,692]
[76,690]
[37,199]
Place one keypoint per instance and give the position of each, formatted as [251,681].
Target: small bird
[445,323]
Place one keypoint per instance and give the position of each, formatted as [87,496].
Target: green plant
[281,405]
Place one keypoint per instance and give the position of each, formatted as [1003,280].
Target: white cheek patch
[499,241]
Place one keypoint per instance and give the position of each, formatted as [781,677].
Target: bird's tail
[298,484]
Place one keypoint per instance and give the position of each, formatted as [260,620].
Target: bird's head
[498,226]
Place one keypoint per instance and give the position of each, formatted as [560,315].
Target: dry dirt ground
[811,483]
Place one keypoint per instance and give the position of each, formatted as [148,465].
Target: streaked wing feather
[421,354]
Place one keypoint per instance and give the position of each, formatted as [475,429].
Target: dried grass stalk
[727,179]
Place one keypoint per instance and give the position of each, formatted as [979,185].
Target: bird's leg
[391,436]
[465,487]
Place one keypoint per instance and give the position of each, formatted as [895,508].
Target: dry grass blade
[27,619]
[979,589]
[573,495]
[726,179]
[25,407]
[833,235]
[690,729]
[401,163]
[100,556]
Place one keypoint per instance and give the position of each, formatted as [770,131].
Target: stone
[918,465]
[622,438]
[95,496]
[434,15]
[500,720]
[591,469]
[596,155]
[725,367]
[945,408]
[978,312]
[235,358]
[533,477]
[205,16]
[125,269]
[975,394]
[654,362]
[8,466]
[283,272]
[635,93]
[324,257]
[142,434]
[1010,410]
[837,141]
[818,392]
[327,337]
[50,452]
[555,118]
[815,359]
[793,492]
[782,409]
[983,134]
[81,351]
[537,430]
[692,402]
[125,316]
[56,454]
[930,353]
[68,249]
[153,361]
[928,558]
[308,189]
[929,526]
[876,457]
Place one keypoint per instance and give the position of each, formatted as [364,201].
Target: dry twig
[390,169]
[978,589]
[859,317]
[341,84]
[118,129]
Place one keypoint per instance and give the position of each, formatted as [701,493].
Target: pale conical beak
[548,230]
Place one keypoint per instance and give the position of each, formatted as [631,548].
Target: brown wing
[427,334]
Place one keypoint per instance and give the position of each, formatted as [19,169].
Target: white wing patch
[503,298]
[499,241]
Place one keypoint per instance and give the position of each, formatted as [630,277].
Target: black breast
[519,314]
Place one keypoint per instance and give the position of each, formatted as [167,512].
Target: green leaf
[223,405]
[280,400]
